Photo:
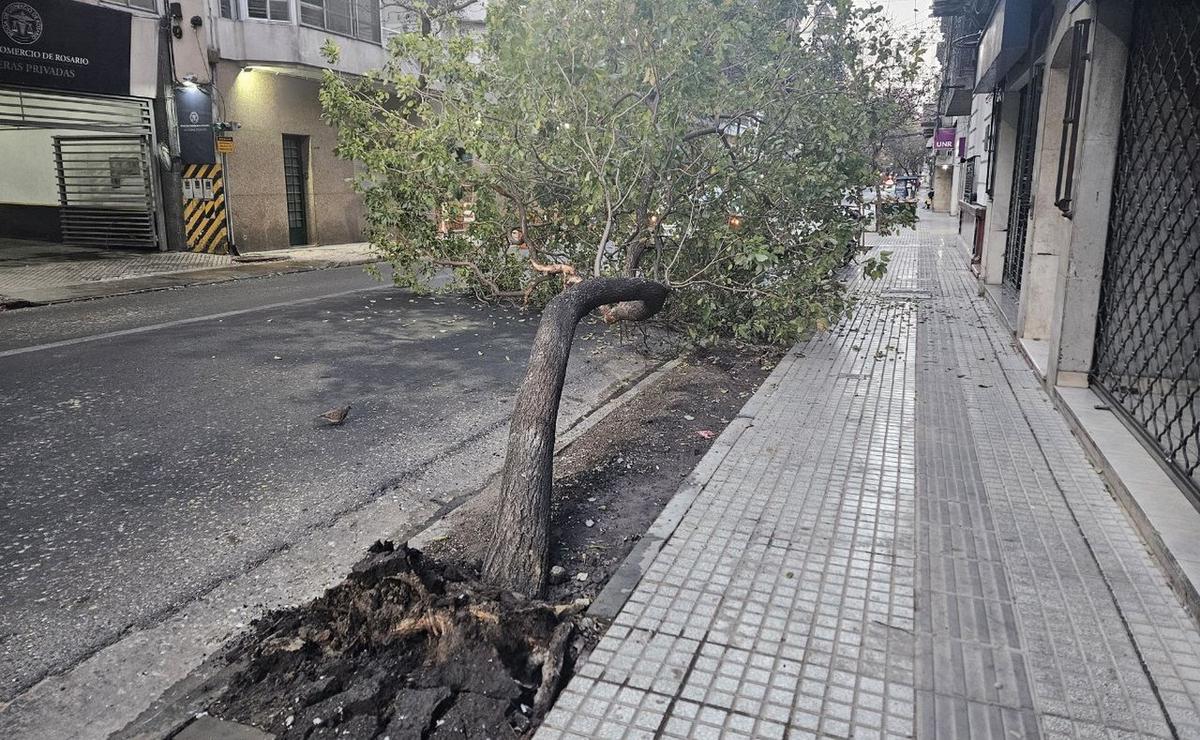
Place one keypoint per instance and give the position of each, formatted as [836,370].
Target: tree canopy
[716,146]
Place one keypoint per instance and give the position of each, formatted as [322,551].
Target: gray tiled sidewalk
[904,541]
[46,272]
[54,265]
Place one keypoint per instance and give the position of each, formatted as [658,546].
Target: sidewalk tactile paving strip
[906,542]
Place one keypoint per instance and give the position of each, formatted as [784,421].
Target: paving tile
[908,541]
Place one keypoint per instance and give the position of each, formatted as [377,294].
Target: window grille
[1147,358]
[1021,193]
[992,140]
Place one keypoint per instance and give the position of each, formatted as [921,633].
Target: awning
[1005,40]
[956,101]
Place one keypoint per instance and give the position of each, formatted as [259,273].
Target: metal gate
[1022,181]
[21,108]
[295,181]
[1147,358]
[106,191]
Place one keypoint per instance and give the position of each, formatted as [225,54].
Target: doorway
[295,179]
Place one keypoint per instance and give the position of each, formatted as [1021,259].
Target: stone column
[1077,298]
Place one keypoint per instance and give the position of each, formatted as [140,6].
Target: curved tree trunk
[518,554]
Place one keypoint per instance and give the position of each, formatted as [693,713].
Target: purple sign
[943,140]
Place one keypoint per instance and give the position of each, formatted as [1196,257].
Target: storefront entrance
[76,128]
[1147,358]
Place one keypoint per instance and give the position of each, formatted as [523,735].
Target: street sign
[225,144]
[194,108]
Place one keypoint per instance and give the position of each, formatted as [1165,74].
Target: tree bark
[518,554]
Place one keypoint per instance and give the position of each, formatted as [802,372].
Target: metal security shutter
[34,109]
[106,191]
[1147,358]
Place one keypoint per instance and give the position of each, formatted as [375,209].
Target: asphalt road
[155,445]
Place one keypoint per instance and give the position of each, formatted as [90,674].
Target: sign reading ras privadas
[64,45]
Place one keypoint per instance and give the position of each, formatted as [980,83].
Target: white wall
[28,176]
[143,58]
[981,121]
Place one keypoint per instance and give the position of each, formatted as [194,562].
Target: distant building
[179,125]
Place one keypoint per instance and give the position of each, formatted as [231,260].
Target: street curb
[182,702]
[597,415]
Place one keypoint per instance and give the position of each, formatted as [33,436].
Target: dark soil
[412,646]
[404,648]
[621,473]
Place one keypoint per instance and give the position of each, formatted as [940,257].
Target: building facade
[78,85]
[1079,201]
[190,125]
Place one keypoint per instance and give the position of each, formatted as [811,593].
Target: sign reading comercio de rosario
[64,45]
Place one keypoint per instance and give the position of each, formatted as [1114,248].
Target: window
[357,18]
[1063,189]
[992,141]
[271,10]
[969,193]
[141,4]
[229,9]
[367,20]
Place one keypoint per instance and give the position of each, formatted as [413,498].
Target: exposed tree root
[552,669]
[404,649]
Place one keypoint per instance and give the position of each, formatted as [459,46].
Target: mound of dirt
[412,645]
[404,648]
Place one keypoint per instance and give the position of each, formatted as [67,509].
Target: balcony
[958,82]
[289,32]
[958,51]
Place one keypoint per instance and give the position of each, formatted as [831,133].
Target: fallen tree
[518,551]
[602,155]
